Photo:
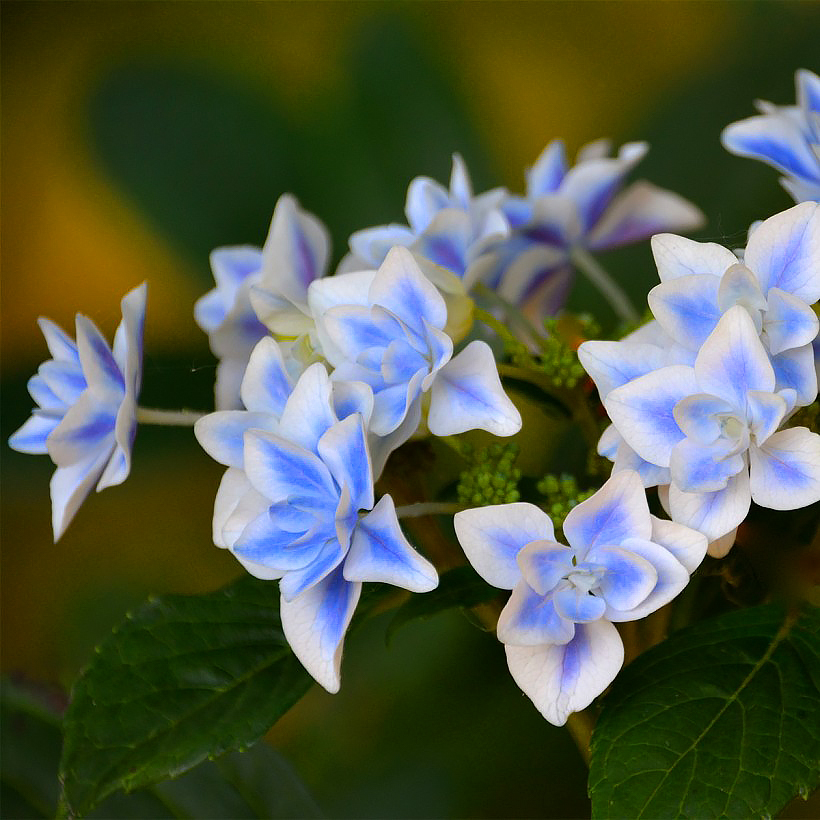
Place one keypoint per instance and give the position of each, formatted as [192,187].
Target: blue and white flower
[259,290]
[86,414]
[777,282]
[386,328]
[785,137]
[622,563]
[716,426]
[583,207]
[297,503]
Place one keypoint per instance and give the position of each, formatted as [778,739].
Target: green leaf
[720,720]
[181,679]
[459,587]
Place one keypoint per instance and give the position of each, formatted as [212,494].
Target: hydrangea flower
[261,289]
[297,503]
[86,414]
[621,564]
[580,207]
[715,425]
[785,137]
[385,328]
[777,282]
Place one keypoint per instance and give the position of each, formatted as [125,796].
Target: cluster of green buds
[492,477]
[562,494]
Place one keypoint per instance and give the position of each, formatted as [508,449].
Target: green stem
[168,418]
[596,274]
[580,725]
[429,508]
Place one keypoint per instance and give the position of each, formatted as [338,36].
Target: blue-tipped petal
[281,471]
[784,251]
[343,449]
[796,369]
[687,308]
[425,198]
[64,380]
[785,470]
[31,437]
[380,552]
[60,344]
[266,384]
[548,172]
[393,404]
[315,624]
[642,411]
[492,537]
[612,364]
[354,328]
[733,361]
[269,540]
[628,577]
[87,428]
[789,322]
[467,395]
[99,366]
[372,244]
[617,511]
[577,605]
[544,563]
[704,468]
[561,679]
[222,434]
[308,412]
[296,582]
[530,619]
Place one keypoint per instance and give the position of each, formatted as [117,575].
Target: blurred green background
[136,137]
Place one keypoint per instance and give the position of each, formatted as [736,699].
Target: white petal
[677,256]
[221,434]
[266,384]
[686,544]
[713,514]
[235,506]
[70,486]
[308,412]
[612,364]
[564,679]
[492,537]
[687,308]
[785,470]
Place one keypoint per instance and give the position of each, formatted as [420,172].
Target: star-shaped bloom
[386,328]
[777,282]
[297,503]
[259,290]
[621,564]
[86,414]
[585,207]
[785,137]
[715,425]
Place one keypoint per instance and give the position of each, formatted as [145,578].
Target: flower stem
[429,508]
[168,418]
[596,274]
[579,726]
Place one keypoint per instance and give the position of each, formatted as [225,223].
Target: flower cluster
[786,137]
[622,563]
[700,399]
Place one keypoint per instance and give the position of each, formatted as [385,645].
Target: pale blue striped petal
[530,619]
[785,470]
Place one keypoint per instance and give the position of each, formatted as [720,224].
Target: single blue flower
[86,414]
[621,564]
[785,137]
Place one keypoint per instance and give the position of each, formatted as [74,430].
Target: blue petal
[687,308]
[796,369]
[354,329]
[577,605]
[308,412]
[628,578]
[222,434]
[380,552]
[785,470]
[530,619]
[87,428]
[269,539]
[295,583]
[704,468]
[548,172]
[400,362]
[697,416]
[63,379]
[544,563]
[612,364]
[372,244]
[765,412]
[789,322]
[343,448]
[61,346]
[99,366]
[31,437]
[266,384]
[232,265]
[425,198]
[392,404]
[352,397]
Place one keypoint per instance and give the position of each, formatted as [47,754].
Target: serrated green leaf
[720,720]
[459,587]
[182,679]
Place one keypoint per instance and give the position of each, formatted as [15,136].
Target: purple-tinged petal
[785,470]
[270,539]
[765,413]
[677,256]
[796,369]
[687,307]
[283,471]
[232,265]
[697,416]
[577,604]
[641,211]
[688,546]
[99,367]
[561,679]
[713,514]
[642,410]
[492,537]
[399,362]
[550,168]
[315,624]
[353,328]
[467,395]
[380,552]
[789,322]
[393,405]
[405,291]
[222,434]
[60,344]
[544,563]
[671,576]
[308,412]
[343,448]
[612,364]
[87,428]
[267,384]
[31,437]
[784,251]
[628,576]
[704,468]
[530,619]
[618,510]
[70,486]
[733,361]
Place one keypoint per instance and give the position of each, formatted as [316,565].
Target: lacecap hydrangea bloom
[785,137]
[86,414]
[297,503]
[622,563]
[259,290]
